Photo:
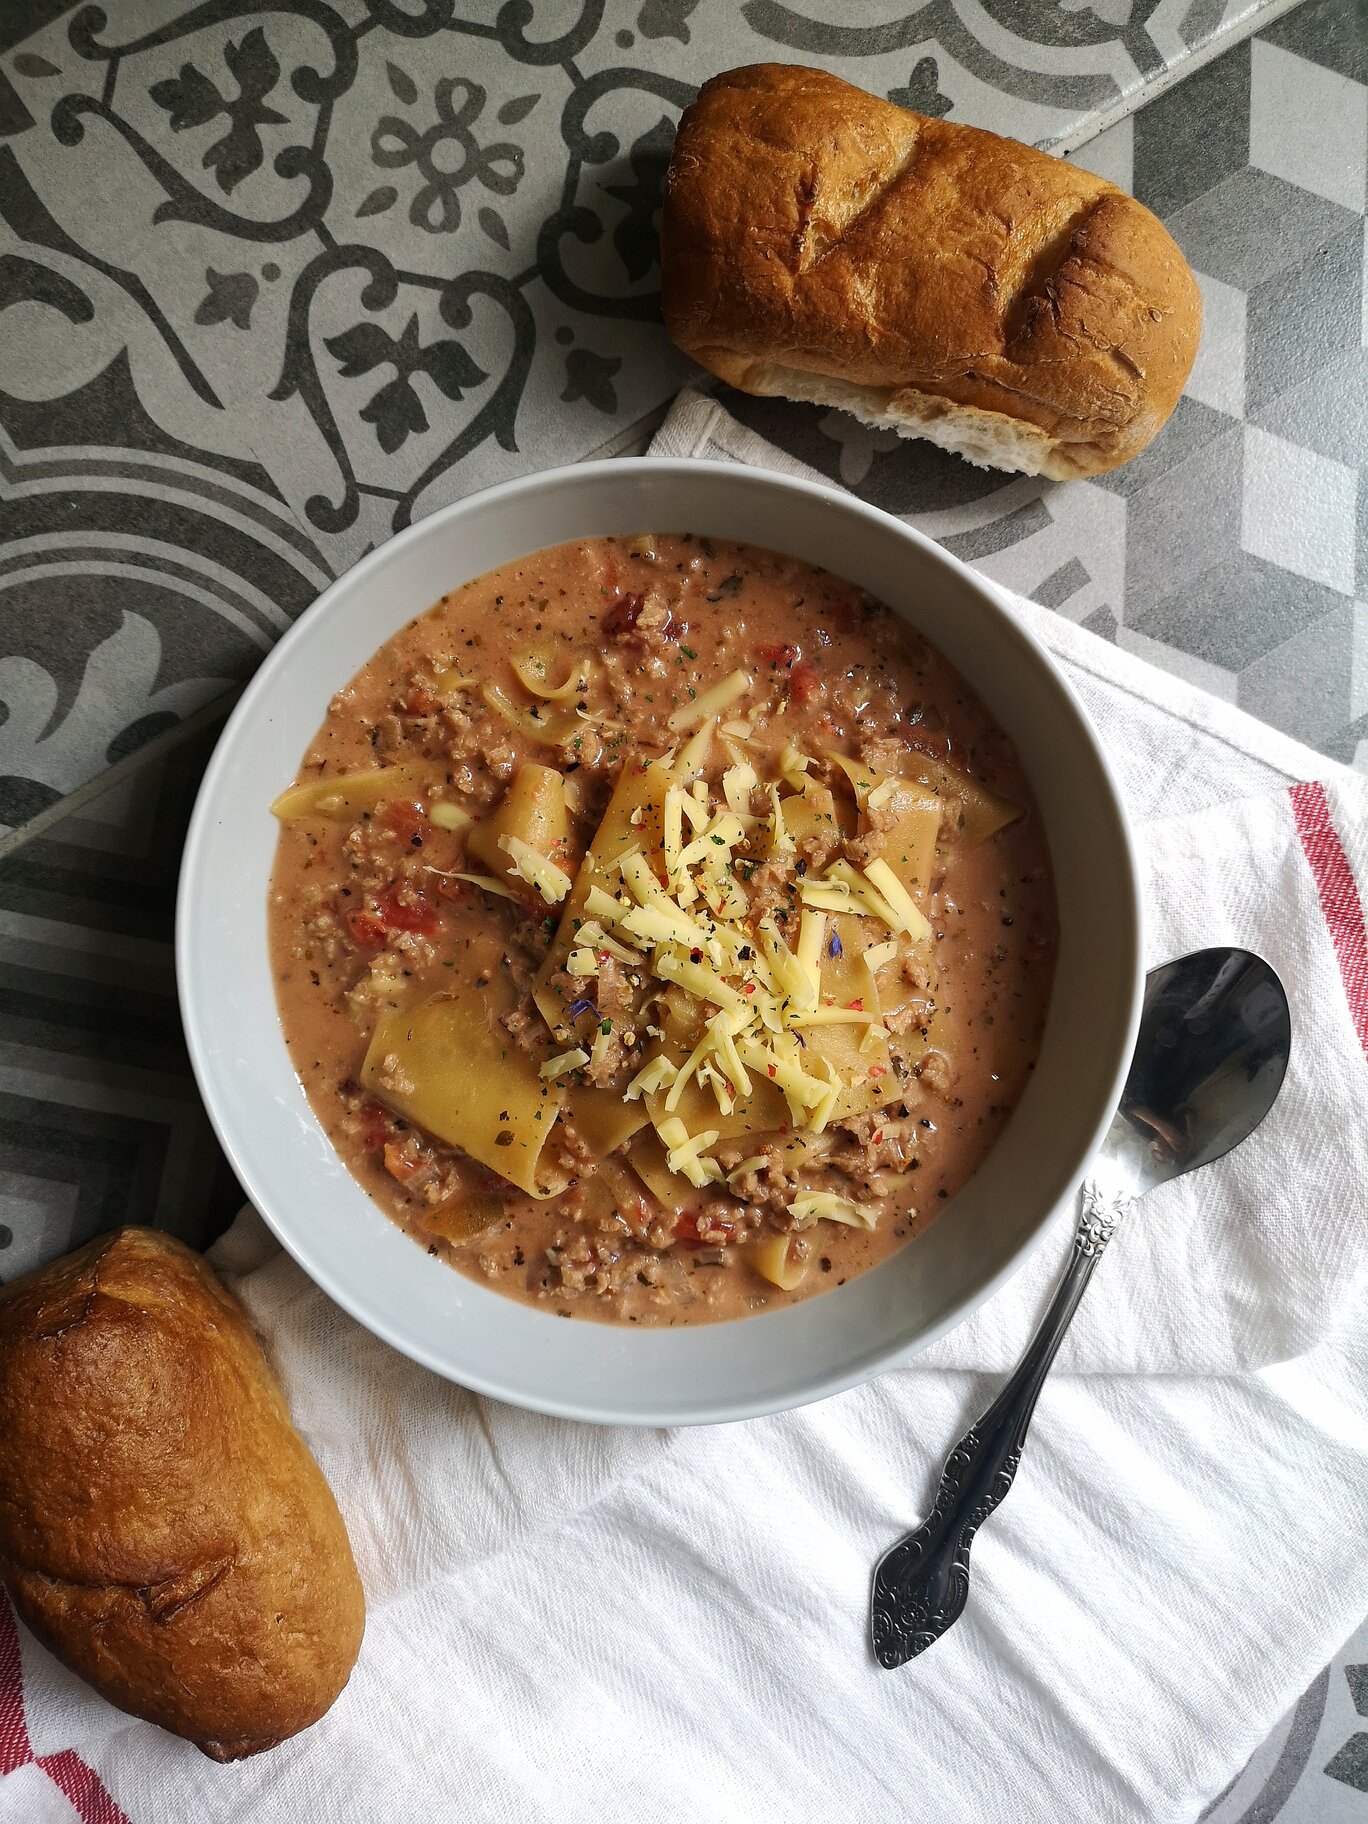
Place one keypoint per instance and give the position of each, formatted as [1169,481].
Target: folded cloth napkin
[570,1622]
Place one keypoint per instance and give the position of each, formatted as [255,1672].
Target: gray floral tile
[276,279]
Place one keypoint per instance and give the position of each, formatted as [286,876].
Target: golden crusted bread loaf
[820,243]
[163,1528]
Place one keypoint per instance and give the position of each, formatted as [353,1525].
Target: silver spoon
[1215,1035]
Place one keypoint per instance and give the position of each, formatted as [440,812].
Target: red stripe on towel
[84,1787]
[14,1736]
[67,1771]
[1339,895]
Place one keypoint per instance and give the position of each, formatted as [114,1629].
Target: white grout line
[1172,74]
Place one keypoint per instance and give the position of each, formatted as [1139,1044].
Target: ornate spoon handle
[921,1584]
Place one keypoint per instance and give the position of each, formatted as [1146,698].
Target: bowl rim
[860,1365]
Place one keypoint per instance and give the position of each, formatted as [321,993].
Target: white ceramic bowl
[591,1370]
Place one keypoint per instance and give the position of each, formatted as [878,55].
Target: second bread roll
[163,1527]
[820,243]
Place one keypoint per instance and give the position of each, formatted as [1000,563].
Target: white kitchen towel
[570,1623]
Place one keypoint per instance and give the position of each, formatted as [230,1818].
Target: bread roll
[163,1528]
[823,244]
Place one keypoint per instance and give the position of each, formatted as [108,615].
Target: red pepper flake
[855,1006]
[748,988]
[877,1070]
[772,1071]
[878,1137]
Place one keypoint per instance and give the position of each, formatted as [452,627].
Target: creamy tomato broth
[662,930]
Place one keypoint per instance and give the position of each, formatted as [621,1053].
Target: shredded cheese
[781,843]
[537,870]
[658,1074]
[564,1061]
[738,782]
[826,1206]
[712,702]
[684,1154]
[913,919]
[488,882]
[863,889]
[752,1164]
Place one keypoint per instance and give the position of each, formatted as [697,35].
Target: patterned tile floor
[274,279]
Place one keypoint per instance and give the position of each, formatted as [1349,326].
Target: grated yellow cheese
[752,1164]
[699,979]
[566,1060]
[488,882]
[811,937]
[913,919]
[781,843]
[826,1206]
[871,901]
[537,870]
[793,764]
[658,1074]
[684,1152]
[827,896]
[738,782]
[712,702]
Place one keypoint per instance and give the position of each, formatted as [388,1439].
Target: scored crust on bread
[820,243]
[163,1527]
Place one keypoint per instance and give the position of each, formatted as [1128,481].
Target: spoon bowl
[1215,1037]
[1214,1042]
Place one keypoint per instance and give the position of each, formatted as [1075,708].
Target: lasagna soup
[662,930]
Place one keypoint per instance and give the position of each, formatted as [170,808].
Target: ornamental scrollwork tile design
[322,265]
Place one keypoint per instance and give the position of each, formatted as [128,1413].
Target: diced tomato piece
[377,1126]
[406,819]
[366,929]
[775,653]
[686,1229]
[455,892]
[400,1163]
[419,702]
[804,681]
[622,617]
[421,916]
